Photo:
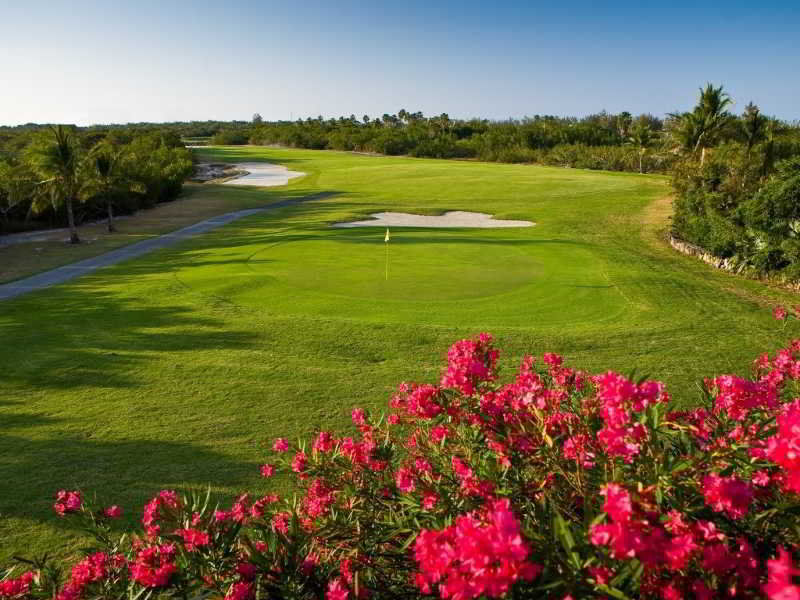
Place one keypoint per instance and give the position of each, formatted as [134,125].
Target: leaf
[613,592]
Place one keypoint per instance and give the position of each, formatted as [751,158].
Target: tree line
[58,175]
[736,177]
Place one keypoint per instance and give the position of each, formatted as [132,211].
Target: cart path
[72,271]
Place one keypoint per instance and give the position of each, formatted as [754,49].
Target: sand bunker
[453,218]
[262,175]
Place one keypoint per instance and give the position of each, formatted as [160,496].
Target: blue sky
[105,61]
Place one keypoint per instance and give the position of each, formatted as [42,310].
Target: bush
[558,484]
[231,137]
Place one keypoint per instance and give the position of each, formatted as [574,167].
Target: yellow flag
[386,237]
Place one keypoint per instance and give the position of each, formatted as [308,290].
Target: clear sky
[100,61]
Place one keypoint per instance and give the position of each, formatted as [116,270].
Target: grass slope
[172,371]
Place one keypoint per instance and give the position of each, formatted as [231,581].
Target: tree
[257,120]
[58,160]
[105,178]
[624,120]
[700,129]
[754,125]
[16,186]
[712,115]
[641,136]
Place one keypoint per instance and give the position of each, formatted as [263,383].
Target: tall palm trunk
[641,156]
[73,231]
[111,228]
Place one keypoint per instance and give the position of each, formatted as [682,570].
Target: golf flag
[386,237]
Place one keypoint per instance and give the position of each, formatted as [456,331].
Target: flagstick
[386,243]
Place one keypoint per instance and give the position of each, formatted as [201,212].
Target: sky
[107,61]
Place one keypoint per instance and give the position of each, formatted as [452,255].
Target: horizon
[505,62]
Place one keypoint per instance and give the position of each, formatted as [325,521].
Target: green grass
[174,370]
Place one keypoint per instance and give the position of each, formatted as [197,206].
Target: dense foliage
[557,484]
[600,141]
[56,176]
[738,186]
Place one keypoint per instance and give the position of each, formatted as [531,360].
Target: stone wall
[728,264]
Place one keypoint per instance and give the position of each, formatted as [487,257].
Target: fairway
[175,369]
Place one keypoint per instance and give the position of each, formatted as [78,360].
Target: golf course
[176,369]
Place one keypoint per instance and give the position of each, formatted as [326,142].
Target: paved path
[69,272]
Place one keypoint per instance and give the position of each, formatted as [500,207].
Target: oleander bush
[557,484]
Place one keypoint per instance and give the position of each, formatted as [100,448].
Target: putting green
[354,274]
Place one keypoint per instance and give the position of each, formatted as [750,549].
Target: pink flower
[280,445]
[220,516]
[299,462]
[247,570]
[478,555]
[727,494]
[780,581]
[239,591]
[67,502]
[153,510]
[601,575]
[309,563]
[780,313]
[618,502]
[319,498]
[324,442]
[470,363]
[11,588]
[439,433]
[280,522]
[404,478]
[193,538]
[154,566]
[113,512]
[337,590]
[359,416]
[267,470]
[784,447]
[429,500]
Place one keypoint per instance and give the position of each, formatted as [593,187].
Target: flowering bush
[557,484]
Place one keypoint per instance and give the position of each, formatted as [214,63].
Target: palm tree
[713,116]
[754,125]
[641,136]
[59,161]
[624,120]
[701,128]
[105,179]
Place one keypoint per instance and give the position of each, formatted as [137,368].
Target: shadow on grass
[53,340]
[124,472]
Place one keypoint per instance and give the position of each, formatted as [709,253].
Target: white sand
[453,218]
[263,175]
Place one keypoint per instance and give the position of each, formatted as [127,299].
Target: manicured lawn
[172,371]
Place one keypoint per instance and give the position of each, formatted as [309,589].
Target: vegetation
[737,186]
[557,483]
[54,176]
[172,371]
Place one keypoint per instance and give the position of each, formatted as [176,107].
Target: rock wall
[728,264]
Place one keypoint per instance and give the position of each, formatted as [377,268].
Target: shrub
[231,137]
[557,484]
